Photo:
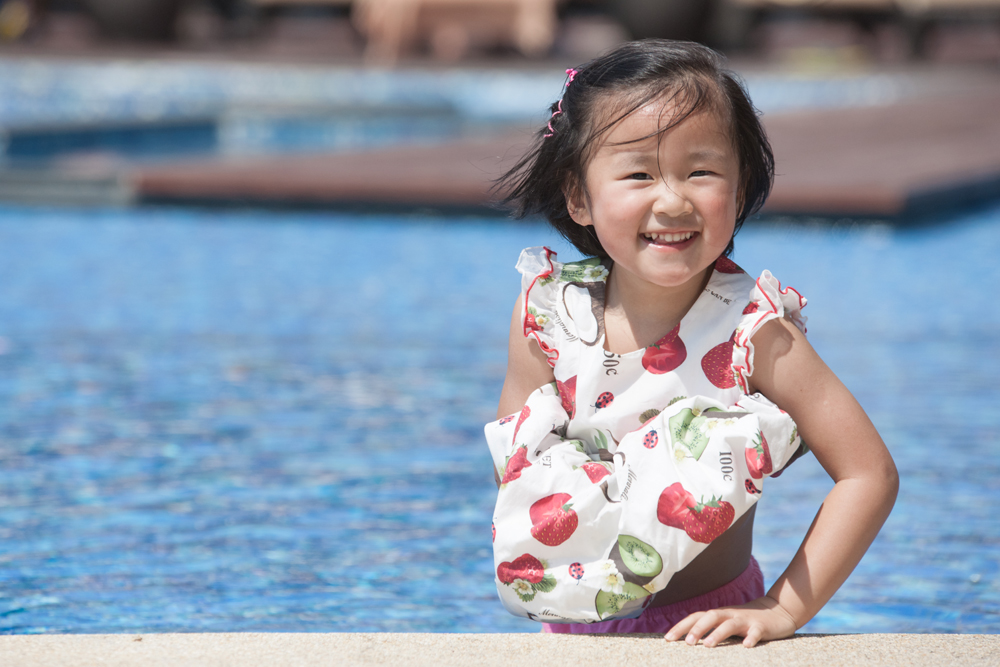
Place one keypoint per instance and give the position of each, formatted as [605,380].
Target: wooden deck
[887,161]
[898,160]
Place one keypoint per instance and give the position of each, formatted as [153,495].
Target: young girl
[639,413]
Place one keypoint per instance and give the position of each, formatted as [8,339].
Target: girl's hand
[760,619]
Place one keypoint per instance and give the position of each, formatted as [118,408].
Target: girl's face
[664,207]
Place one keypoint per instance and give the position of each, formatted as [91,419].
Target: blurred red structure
[451,26]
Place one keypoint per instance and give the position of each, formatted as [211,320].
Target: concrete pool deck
[485,650]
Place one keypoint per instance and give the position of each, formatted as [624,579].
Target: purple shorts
[744,588]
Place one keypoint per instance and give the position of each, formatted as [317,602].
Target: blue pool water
[54,92]
[249,421]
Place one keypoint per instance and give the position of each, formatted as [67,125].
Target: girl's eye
[700,172]
[640,176]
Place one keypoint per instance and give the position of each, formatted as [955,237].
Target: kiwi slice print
[621,604]
[636,561]
[639,557]
[685,431]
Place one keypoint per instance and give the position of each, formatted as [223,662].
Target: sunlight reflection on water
[273,421]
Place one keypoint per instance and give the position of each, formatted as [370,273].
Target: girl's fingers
[722,632]
[754,635]
[708,621]
[683,626]
[725,623]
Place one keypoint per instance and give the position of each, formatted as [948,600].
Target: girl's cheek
[726,205]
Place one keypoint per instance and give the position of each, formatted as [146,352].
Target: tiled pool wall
[265,421]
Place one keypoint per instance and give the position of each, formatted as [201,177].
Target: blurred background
[453,30]
[255,290]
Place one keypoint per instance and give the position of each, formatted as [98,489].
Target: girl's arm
[527,368]
[789,372]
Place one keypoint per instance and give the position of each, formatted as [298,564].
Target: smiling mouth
[667,238]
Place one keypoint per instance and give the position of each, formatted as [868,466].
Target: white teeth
[669,238]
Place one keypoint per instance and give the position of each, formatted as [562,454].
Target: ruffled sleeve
[539,271]
[562,303]
[768,301]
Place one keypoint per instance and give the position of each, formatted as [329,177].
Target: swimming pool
[260,421]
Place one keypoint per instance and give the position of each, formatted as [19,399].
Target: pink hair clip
[555,113]
[571,73]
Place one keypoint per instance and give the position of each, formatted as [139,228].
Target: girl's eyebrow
[707,154]
[644,148]
[631,154]
[634,159]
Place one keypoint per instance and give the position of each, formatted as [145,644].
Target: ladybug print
[506,420]
[751,487]
[494,532]
[650,440]
[604,400]
[576,571]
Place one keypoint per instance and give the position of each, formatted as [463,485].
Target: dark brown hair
[608,89]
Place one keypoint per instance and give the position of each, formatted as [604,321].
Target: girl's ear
[576,204]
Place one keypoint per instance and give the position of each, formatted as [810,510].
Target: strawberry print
[515,464]
[604,400]
[567,393]
[674,505]
[576,571]
[553,520]
[706,521]
[648,415]
[533,321]
[525,413]
[665,354]
[650,440]
[717,364]
[595,471]
[527,576]
[525,567]
[759,458]
[726,265]
[751,308]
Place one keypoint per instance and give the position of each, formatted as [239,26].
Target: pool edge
[484,650]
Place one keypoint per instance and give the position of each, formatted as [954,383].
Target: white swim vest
[622,471]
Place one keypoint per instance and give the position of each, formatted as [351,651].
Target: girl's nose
[671,202]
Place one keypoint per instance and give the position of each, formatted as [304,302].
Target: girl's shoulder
[561,303]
